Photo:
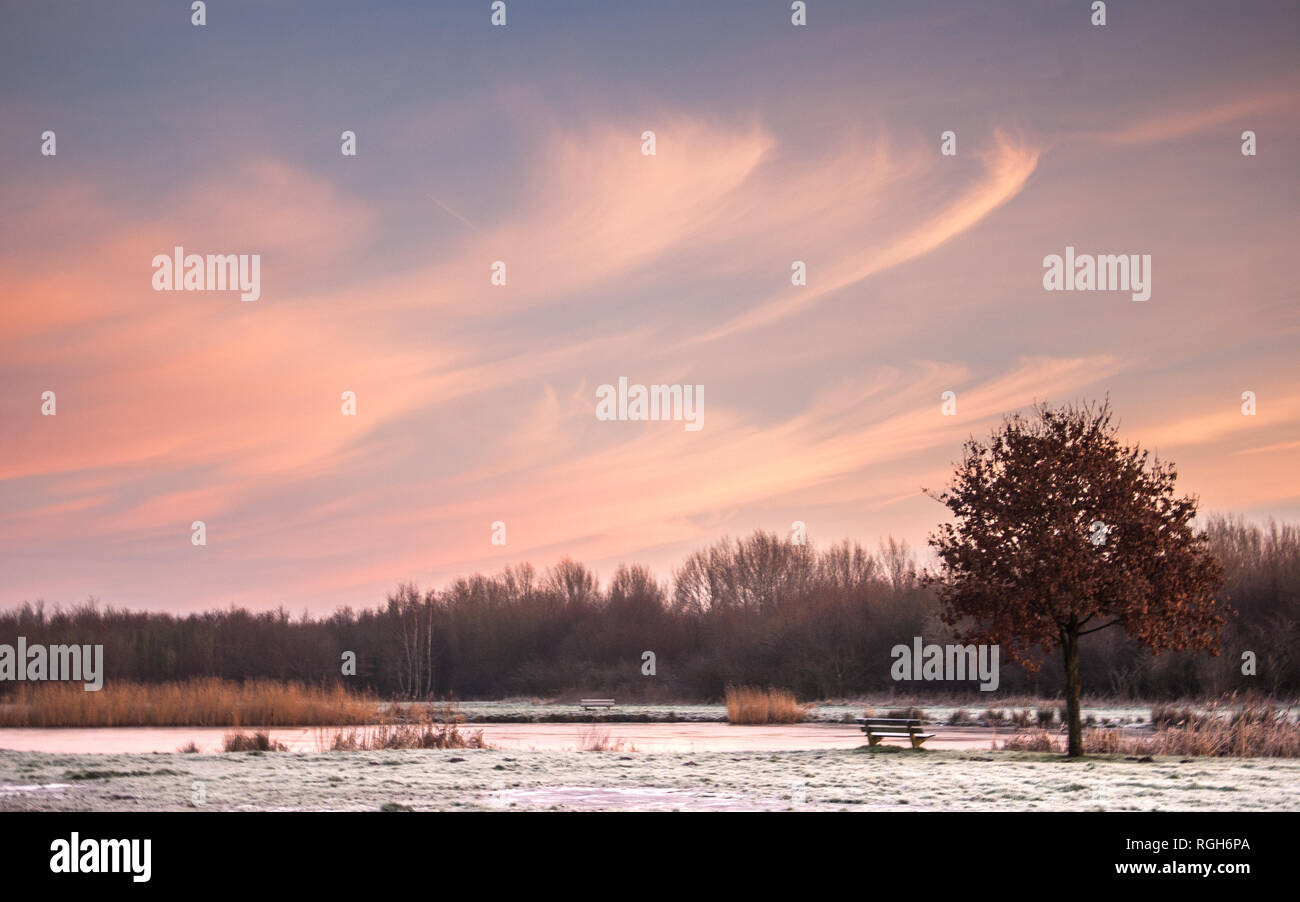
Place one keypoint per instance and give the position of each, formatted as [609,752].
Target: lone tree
[1061,531]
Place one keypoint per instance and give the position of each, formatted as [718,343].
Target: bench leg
[873,740]
[916,743]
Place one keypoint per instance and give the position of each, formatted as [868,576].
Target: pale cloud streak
[1007,168]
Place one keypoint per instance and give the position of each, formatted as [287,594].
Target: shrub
[912,713]
[259,741]
[1032,741]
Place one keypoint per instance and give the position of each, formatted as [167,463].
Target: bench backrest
[886,723]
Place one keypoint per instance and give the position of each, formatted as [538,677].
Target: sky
[476,403]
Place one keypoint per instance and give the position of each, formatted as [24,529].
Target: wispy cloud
[1007,168]
[475,403]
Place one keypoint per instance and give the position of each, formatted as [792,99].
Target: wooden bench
[878,728]
[589,703]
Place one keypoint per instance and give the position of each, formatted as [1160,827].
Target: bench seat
[878,728]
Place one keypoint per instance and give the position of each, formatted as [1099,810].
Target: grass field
[463,779]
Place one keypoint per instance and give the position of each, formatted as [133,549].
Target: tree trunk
[1070,647]
[428,650]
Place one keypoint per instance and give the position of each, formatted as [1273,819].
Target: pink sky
[476,402]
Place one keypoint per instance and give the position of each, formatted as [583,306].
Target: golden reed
[753,705]
[193,703]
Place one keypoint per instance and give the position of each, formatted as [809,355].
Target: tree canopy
[1061,530]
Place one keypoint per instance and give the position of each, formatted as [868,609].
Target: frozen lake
[640,737]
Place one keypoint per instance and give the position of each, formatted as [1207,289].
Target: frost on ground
[832,779]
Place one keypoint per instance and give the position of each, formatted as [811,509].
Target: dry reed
[909,713]
[431,731]
[1251,732]
[596,738]
[194,703]
[753,705]
[259,741]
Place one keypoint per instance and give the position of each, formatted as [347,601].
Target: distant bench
[589,703]
[878,728]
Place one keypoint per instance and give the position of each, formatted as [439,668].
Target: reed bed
[258,741]
[754,705]
[596,738]
[432,731]
[1252,732]
[1033,741]
[194,703]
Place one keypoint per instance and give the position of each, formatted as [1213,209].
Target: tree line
[820,621]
